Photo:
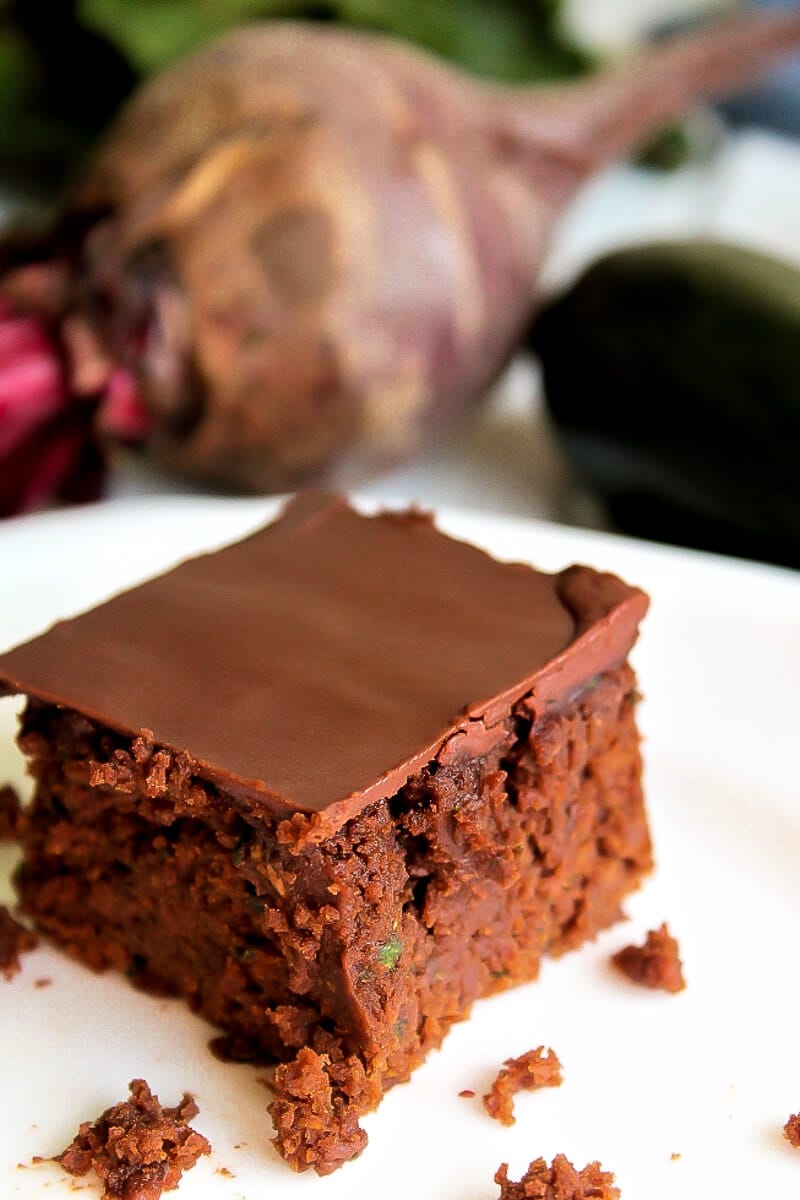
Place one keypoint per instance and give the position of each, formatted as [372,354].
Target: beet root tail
[604,117]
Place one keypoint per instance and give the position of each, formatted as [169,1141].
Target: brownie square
[331,784]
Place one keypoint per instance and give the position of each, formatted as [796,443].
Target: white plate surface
[709,1075]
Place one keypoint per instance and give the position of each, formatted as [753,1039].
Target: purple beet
[302,249]
[47,443]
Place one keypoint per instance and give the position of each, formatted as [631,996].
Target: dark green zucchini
[672,372]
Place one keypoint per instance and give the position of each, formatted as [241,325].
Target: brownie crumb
[530,1071]
[137,1148]
[791,1131]
[656,964]
[560,1181]
[10,812]
[42,983]
[466,1093]
[319,1098]
[15,939]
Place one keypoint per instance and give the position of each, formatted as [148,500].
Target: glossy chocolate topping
[322,660]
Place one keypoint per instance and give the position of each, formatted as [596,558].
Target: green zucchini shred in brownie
[331,784]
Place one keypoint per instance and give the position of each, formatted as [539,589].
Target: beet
[303,249]
[46,441]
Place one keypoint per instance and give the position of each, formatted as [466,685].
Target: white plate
[710,1075]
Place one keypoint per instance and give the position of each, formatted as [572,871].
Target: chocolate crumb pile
[560,1181]
[530,1071]
[791,1131]
[656,964]
[15,939]
[137,1148]
[10,811]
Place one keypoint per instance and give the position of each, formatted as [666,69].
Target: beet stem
[597,120]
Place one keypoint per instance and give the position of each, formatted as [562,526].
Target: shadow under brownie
[340,924]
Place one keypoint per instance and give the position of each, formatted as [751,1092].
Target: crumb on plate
[656,964]
[137,1148]
[791,1130]
[560,1181]
[529,1071]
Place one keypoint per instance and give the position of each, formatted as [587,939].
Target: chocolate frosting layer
[323,659]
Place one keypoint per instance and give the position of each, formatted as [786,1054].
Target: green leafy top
[507,39]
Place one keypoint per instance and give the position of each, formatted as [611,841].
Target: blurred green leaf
[37,147]
[512,40]
[507,39]
[154,32]
[16,75]
[667,150]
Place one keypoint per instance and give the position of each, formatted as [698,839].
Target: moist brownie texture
[137,1148]
[560,1181]
[331,785]
[530,1071]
